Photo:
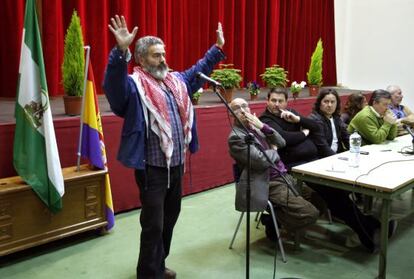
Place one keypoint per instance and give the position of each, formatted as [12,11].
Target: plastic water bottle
[354,149]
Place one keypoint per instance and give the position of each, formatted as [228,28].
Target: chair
[236,174]
[273,214]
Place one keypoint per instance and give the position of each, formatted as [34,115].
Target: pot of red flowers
[254,89]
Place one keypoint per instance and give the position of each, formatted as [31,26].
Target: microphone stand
[249,139]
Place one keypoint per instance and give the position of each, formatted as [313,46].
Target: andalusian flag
[92,146]
[35,154]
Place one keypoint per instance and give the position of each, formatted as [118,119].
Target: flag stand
[88,50]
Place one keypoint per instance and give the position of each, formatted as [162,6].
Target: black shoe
[169,274]
[271,232]
[266,219]
[374,244]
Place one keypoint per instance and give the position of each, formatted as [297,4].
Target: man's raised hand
[220,36]
[121,33]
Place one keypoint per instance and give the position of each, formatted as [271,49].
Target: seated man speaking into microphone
[267,183]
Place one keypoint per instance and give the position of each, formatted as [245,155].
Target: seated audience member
[293,212]
[356,102]
[403,114]
[294,128]
[332,136]
[375,123]
[336,139]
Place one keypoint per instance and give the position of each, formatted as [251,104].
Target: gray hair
[379,94]
[143,44]
[393,89]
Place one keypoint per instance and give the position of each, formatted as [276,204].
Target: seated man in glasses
[268,182]
[403,114]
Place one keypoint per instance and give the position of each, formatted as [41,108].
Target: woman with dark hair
[332,136]
[355,103]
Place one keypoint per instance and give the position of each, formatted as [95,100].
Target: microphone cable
[353,194]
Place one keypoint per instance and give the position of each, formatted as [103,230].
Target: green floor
[200,248]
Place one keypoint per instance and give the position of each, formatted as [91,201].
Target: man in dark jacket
[158,128]
[294,128]
[267,182]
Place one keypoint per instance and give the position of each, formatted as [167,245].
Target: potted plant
[315,69]
[229,77]
[254,89]
[295,88]
[275,76]
[196,96]
[73,67]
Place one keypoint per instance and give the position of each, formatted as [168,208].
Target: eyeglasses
[239,107]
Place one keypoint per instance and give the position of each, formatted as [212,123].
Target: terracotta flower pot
[253,97]
[313,90]
[228,94]
[73,105]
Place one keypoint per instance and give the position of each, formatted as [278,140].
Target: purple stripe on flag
[91,146]
[110,218]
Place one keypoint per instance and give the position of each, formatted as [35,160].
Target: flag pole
[88,50]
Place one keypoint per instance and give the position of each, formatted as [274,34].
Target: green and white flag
[35,153]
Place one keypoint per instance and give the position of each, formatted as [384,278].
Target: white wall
[375,44]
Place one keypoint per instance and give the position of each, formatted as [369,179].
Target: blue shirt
[155,156]
[398,111]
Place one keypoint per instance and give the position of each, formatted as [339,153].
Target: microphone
[408,129]
[208,79]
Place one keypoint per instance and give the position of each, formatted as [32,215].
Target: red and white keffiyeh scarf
[153,98]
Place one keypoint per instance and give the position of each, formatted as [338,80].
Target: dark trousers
[343,208]
[159,213]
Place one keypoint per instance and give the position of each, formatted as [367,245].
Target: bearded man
[158,128]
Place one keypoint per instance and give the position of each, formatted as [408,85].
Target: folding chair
[273,214]
[236,174]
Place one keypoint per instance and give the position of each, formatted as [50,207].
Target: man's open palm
[121,33]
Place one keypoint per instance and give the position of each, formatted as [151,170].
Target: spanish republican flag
[92,145]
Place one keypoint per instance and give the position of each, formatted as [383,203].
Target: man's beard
[158,72]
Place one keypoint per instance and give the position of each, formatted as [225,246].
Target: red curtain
[258,34]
